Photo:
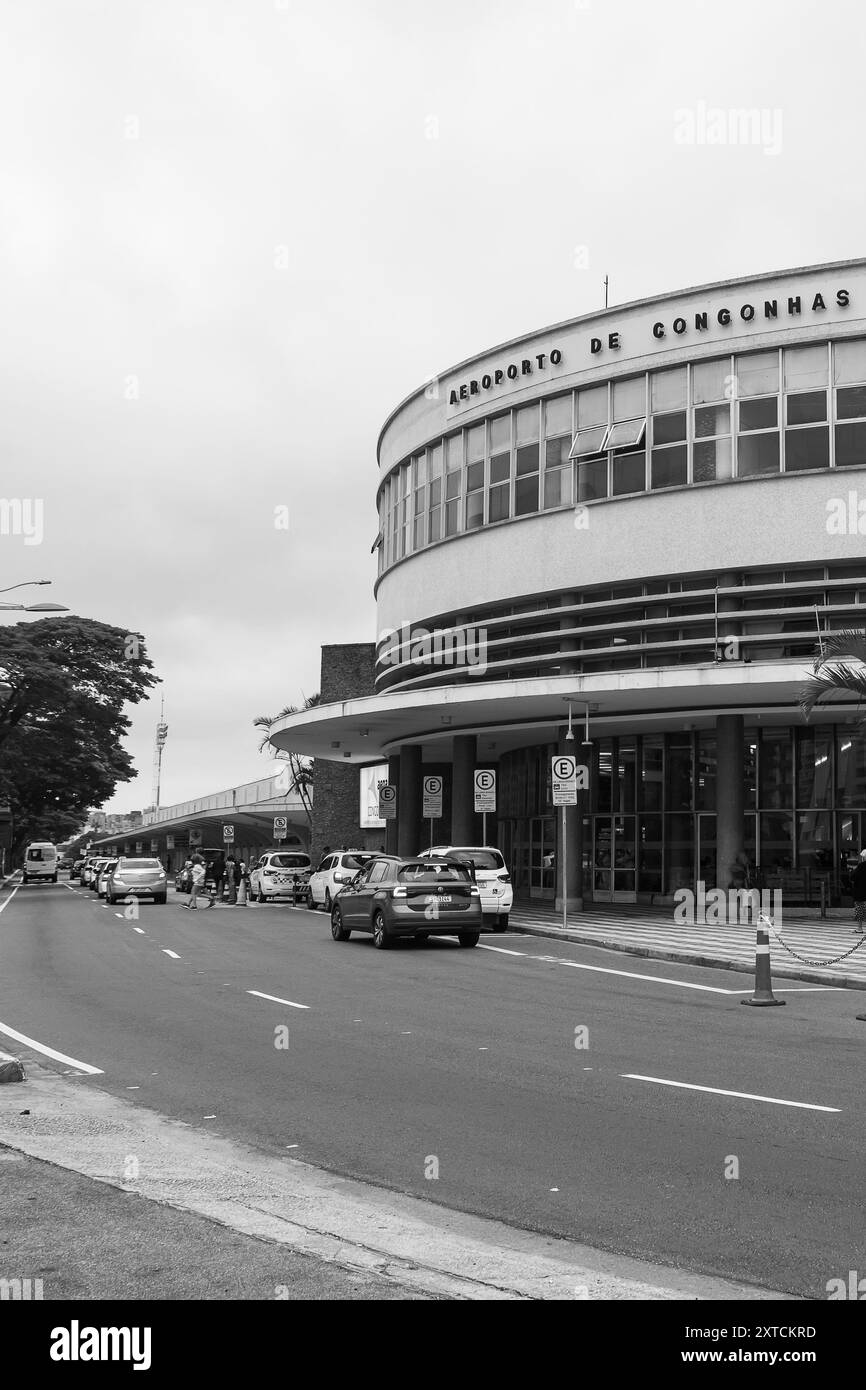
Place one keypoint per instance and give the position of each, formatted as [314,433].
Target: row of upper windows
[730,417]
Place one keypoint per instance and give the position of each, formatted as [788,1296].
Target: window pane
[680,775]
[500,468]
[419,529]
[435,524]
[776,842]
[474,476]
[474,510]
[452,485]
[669,429]
[711,420]
[557,415]
[420,500]
[757,374]
[806,449]
[712,460]
[850,769]
[454,451]
[526,496]
[849,361]
[625,436]
[759,415]
[527,424]
[498,504]
[500,433]
[777,768]
[668,389]
[557,487]
[451,518]
[651,769]
[436,492]
[420,470]
[757,453]
[588,441]
[592,407]
[669,467]
[474,444]
[629,398]
[814,767]
[805,366]
[556,451]
[629,473]
[527,459]
[434,461]
[710,380]
[850,445]
[851,404]
[808,408]
[592,480]
[815,842]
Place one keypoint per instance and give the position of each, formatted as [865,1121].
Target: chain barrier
[805,959]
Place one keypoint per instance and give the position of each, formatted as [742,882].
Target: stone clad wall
[347,673]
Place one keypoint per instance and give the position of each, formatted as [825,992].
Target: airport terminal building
[651,516]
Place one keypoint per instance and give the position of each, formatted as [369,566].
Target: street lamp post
[30,607]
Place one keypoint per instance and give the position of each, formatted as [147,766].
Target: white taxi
[276,874]
[491,875]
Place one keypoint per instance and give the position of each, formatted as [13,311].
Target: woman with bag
[858,891]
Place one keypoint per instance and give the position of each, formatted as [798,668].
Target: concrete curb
[783,972]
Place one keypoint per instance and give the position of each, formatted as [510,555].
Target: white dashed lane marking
[274,1000]
[738,1095]
[166,952]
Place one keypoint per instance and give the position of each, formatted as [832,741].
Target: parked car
[76,869]
[409,898]
[138,878]
[40,863]
[98,866]
[64,864]
[334,872]
[87,870]
[103,877]
[491,875]
[278,872]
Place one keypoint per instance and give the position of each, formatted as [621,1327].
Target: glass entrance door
[542,857]
[613,859]
[705,850]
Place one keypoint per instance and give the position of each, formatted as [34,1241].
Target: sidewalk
[652,932]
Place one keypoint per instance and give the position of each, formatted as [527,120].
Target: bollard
[763,994]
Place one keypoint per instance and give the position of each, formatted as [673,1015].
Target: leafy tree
[64,683]
[838,669]
[300,769]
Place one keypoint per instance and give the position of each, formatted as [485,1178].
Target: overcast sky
[234,235]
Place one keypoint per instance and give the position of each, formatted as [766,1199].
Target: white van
[40,862]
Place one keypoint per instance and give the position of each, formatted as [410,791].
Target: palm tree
[838,669]
[300,769]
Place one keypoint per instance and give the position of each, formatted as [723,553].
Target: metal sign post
[564,782]
[281,828]
[484,781]
[432,806]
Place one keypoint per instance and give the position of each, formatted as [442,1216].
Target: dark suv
[395,898]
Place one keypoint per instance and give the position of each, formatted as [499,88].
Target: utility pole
[161,736]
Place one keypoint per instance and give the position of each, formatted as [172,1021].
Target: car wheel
[162,899]
[338,931]
[54,880]
[260,897]
[327,903]
[468,938]
[110,899]
[381,935]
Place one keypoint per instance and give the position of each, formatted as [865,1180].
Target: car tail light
[341,878]
[505,878]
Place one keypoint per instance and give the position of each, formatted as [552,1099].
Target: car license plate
[444,898]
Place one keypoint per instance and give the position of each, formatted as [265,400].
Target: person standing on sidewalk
[218,869]
[199,884]
[858,890]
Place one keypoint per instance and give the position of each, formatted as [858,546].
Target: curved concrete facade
[652,512]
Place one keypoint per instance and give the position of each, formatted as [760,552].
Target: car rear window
[480,858]
[433,873]
[291,861]
[41,852]
[356,861]
[139,863]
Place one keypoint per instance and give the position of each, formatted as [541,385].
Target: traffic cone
[242,892]
[763,994]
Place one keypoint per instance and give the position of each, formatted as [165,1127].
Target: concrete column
[409,801]
[574,824]
[463,817]
[730,795]
[391,825]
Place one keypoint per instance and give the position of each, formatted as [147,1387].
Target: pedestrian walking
[199,884]
[218,869]
[232,879]
[186,876]
[858,890]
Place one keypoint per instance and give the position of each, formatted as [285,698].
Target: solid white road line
[739,1095]
[166,952]
[49,1051]
[273,998]
[140,931]
[8,900]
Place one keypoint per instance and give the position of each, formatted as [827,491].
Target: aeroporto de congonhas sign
[762,305]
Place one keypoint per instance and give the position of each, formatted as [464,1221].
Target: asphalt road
[461,1076]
